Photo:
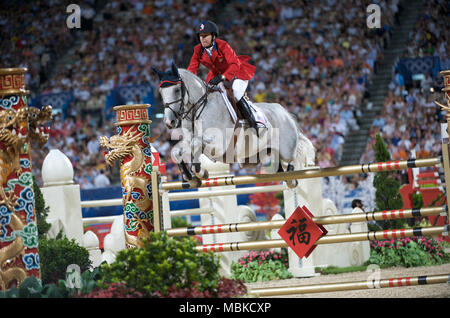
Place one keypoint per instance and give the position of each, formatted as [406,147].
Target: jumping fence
[269,225]
[324,220]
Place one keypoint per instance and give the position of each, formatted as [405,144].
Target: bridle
[194,109]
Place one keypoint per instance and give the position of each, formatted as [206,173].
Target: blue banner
[129,94]
[421,65]
[57,100]
[120,95]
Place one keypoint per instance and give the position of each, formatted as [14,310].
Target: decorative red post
[19,256]
[132,146]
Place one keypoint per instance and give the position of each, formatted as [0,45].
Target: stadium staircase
[356,141]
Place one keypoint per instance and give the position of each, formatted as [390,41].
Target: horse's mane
[185,73]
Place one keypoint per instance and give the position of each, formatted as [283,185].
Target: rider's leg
[231,110]
[239,87]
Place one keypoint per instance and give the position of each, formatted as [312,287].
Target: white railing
[99,219]
[178,196]
[101,203]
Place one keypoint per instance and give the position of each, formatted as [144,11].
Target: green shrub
[179,222]
[387,195]
[56,254]
[41,210]
[88,283]
[407,252]
[162,263]
[261,266]
[32,287]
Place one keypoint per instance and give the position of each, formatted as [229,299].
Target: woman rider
[223,64]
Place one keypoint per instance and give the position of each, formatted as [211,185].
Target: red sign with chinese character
[300,232]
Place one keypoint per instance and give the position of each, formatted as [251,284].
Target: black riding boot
[245,110]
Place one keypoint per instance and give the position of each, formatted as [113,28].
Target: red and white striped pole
[327,239]
[322,220]
[345,286]
[307,173]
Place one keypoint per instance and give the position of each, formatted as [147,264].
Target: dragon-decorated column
[132,146]
[19,124]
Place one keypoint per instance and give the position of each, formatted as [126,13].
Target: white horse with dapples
[208,128]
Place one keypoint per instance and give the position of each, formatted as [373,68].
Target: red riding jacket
[223,61]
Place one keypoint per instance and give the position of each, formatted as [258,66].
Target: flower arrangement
[261,266]
[414,251]
[262,256]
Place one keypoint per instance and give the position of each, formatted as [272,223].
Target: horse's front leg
[197,168]
[179,155]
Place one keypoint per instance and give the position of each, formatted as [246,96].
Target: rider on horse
[223,64]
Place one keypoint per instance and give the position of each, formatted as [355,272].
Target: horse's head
[172,92]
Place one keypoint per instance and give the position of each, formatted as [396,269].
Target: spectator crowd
[410,120]
[316,59]
[34,34]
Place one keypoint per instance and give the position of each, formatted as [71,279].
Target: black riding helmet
[207,27]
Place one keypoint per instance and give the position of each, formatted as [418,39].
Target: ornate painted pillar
[132,147]
[19,256]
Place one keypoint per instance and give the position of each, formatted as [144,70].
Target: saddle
[232,100]
[242,118]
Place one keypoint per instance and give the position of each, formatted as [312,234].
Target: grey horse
[197,114]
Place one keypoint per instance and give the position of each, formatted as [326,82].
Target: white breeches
[239,87]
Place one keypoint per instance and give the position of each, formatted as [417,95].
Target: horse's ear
[175,69]
[158,72]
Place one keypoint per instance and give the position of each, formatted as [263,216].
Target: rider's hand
[216,80]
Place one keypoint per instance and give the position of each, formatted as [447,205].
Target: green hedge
[163,263]
[58,253]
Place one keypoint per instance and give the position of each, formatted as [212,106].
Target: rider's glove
[216,80]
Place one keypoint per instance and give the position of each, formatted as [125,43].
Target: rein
[196,109]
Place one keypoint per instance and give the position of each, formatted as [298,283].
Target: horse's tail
[305,153]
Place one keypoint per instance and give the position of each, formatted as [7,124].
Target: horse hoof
[195,182]
[202,176]
[291,184]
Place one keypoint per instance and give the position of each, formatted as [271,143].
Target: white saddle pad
[260,117]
